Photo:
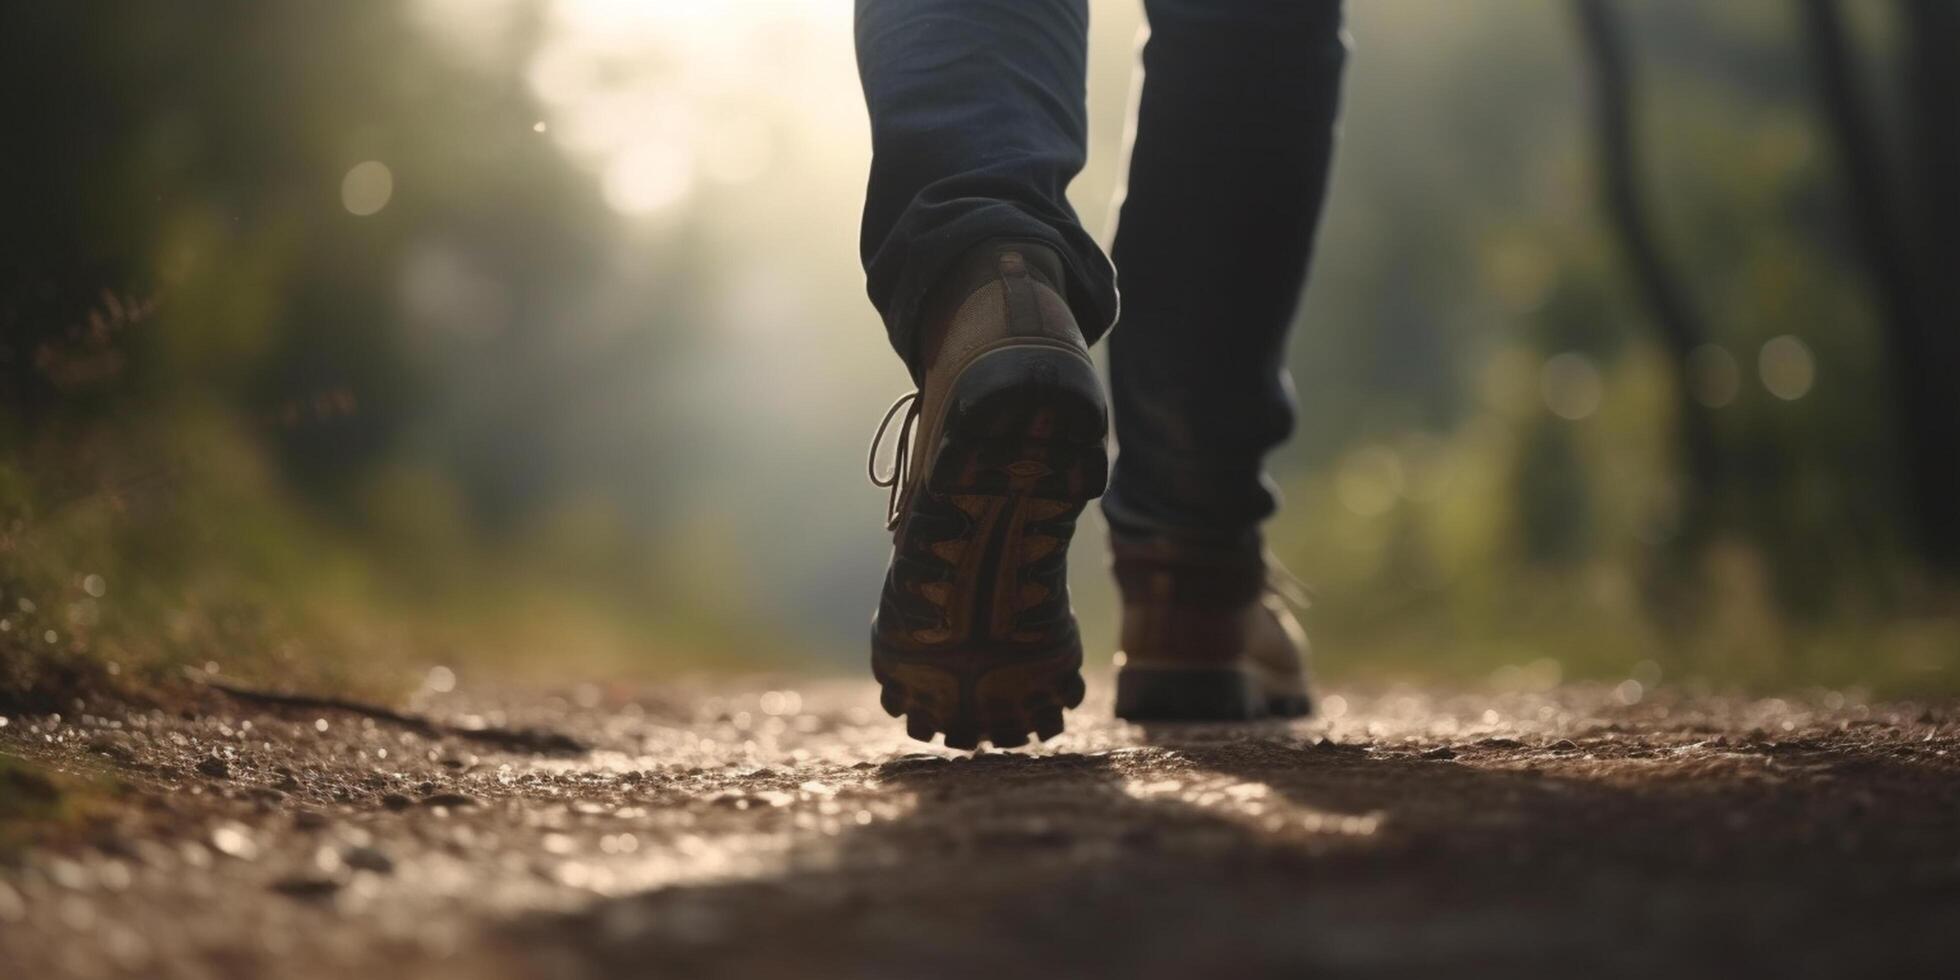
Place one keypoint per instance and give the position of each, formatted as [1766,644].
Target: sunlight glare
[648,176]
[659,96]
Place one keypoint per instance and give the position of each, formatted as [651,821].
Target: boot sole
[1201,694]
[1023,434]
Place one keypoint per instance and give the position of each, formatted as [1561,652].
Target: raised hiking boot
[999,450]
[1207,634]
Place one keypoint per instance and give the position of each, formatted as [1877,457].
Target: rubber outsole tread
[1035,437]
[1201,695]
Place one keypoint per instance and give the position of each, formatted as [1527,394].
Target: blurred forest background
[339,341]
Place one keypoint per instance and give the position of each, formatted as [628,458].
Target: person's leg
[1234,131]
[1233,136]
[991,292]
[977,127]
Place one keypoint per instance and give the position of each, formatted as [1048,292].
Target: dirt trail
[792,831]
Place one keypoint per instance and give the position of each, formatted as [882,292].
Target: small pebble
[105,747]
[234,840]
[369,859]
[307,886]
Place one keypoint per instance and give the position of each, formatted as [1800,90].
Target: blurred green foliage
[224,397]
[1508,490]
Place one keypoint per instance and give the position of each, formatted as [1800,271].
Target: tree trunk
[1900,262]
[1680,329]
[1928,349]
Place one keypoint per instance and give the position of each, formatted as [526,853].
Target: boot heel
[1188,694]
[1028,419]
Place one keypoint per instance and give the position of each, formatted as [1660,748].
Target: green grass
[38,804]
[217,564]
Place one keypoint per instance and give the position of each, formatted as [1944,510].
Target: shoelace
[1279,579]
[1281,582]
[901,456]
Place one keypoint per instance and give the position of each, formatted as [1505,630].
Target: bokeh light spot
[1571,385]
[366,188]
[1787,367]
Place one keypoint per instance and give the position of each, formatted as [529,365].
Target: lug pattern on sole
[988,649]
[1001,704]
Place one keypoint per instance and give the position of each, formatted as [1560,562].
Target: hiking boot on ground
[999,450]
[1207,634]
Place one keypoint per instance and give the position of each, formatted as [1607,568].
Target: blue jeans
[978,124]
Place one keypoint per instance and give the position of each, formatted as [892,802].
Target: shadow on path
[1227,852]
